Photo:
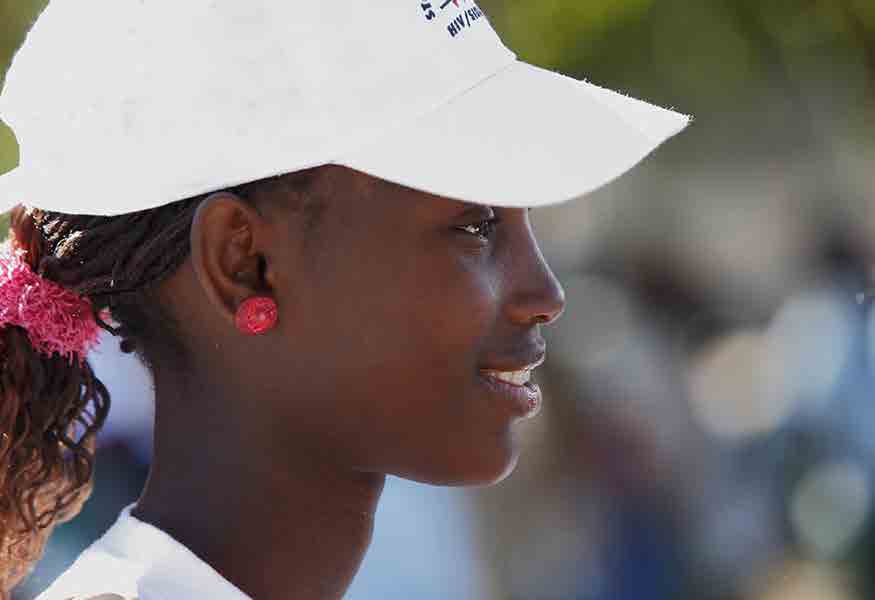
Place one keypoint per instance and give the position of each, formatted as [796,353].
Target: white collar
[136,558]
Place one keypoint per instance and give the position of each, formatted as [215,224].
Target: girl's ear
[228,238]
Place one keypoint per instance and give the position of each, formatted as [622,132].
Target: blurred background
[708,430]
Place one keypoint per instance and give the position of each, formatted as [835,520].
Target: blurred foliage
[710,58]
[709,46]
[17,17]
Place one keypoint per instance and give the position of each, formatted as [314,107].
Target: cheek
[414,314]
[426,401]
[450,317]
[396,366]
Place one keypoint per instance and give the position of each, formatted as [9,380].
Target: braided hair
[51,408]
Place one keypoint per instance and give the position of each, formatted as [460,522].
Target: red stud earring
[256,315]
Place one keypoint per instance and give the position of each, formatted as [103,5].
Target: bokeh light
[829,508]
[805,581]
[736,387]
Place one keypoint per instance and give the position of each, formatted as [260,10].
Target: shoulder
[96,575]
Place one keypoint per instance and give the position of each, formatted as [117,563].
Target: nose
[538,297]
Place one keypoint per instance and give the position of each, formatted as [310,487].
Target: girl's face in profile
[394,309]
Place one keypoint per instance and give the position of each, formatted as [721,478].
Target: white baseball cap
[126,105]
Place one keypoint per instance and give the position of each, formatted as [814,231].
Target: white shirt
[136,560]
[426,532]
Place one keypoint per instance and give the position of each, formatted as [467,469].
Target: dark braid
[52,409]
[127,257]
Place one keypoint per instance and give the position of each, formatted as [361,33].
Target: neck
[275,524]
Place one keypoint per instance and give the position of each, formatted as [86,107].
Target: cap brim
[524,137]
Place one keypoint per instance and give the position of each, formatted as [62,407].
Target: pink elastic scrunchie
[56,319]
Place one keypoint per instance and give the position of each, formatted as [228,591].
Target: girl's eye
[483,229]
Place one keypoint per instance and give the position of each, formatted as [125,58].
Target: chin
[498,475]
[484,466]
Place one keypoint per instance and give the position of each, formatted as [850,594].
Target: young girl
[310,221]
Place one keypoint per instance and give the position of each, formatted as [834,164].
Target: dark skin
[271,451]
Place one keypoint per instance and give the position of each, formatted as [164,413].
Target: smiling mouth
[515,378]
[518,377]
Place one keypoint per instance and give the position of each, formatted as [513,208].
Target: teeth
[517,378]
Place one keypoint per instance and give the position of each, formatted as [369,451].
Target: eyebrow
[474,210]
[471,210]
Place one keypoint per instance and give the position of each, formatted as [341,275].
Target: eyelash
[488,224]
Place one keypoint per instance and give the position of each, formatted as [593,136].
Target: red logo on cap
[430,9]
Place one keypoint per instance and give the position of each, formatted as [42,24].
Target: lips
[515,375]
[512,381]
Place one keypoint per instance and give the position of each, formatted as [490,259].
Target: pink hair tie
[56,319]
